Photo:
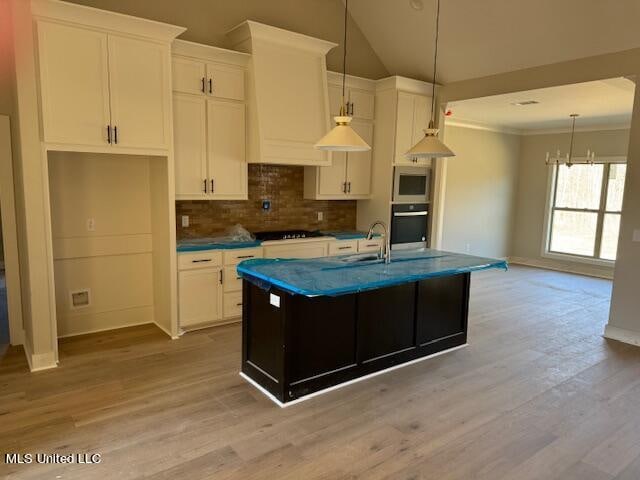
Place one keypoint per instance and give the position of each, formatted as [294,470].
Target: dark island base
[307,344]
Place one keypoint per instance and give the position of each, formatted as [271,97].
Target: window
[585,210]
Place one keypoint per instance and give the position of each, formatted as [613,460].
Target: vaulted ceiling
[485,37]
[478,37]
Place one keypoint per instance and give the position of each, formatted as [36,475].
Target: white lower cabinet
[199,296]
[232,283]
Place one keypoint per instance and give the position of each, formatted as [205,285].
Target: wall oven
[411,184]
[409,226]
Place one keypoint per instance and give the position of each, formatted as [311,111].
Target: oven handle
[410,214]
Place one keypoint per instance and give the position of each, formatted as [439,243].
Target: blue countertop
[333,276]
[198,246]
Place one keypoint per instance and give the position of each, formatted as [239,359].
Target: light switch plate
[320,216]
[91,225]
[636,235]
[185,221]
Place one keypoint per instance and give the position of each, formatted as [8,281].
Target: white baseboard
[622,335]
[173,337]
[557,266]
[41,361]
[344,384]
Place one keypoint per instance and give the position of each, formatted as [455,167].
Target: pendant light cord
[573,130]
[435,67]
[344,56]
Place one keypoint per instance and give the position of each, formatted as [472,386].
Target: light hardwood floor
[538,394]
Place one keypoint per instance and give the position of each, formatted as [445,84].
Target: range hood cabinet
[288,96]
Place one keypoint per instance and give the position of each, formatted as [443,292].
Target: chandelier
[568,159]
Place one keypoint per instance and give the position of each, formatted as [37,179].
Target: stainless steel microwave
[411,184]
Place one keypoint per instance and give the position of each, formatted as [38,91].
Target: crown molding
[250,30]
[404,84]
[200,51]
[586,128]
[481,126]
[335,78]
[104,20]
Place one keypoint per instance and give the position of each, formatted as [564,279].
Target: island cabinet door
[442,309]
[386,323]
[322,340]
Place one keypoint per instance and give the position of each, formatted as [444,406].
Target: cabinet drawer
[232,305]
[188,261]
[234,257]
[231,281]
[372,245]
[297,250]
[343,247]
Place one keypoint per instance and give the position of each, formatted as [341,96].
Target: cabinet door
[332,179]
[190,144]
[404,126]
[359,163]
[225,81]
[363,104]
[226,149]
[188,76]
[74,82]
[421,111]
[140,95]
[200,296]
[335,101]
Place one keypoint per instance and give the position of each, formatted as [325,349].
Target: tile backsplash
[283,187]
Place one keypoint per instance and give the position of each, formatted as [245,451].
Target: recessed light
[416,4]
[525,102]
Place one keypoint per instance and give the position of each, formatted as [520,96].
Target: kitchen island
[311,325]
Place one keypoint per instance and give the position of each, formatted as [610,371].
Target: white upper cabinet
[226,149]
[140,102]
[104,79]
[190,144]
[288,99]
[197,77]
[74,81]
[412,119]
[209,122]
[349,175]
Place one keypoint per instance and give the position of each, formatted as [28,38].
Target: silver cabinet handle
[410,214]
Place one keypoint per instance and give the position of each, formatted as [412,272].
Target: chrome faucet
[387,241]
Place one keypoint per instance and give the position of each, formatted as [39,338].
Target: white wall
[480,191]
[531,197]
[115,260]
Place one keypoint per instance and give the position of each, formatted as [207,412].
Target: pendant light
[569,160]
[342,138]
[430,145]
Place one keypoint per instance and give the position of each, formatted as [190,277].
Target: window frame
[601,212]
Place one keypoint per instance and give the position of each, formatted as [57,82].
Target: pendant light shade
[430,145]
[343,138]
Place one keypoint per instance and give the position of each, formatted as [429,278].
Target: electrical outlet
[91,225]
[467,248]
[266,205]
[636,235]
[185,221]
[320,216]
